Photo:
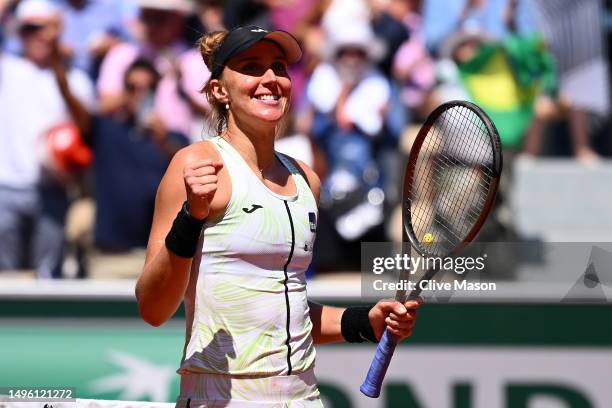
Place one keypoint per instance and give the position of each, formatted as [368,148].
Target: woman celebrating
[237,250]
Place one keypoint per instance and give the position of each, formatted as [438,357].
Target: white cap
[358,35]
[33,11]
[461,36]
[186,6]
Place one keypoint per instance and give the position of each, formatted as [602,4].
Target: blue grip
[378,368]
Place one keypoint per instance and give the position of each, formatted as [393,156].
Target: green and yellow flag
[505,78]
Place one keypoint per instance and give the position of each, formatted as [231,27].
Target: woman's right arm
[165,276]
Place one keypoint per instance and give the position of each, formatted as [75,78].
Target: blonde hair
[208,45]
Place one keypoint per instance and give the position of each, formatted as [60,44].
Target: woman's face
[257,83]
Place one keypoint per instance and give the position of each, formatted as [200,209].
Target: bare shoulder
[171,193]
[196,152]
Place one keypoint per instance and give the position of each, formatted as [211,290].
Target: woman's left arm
[328,325]
[327,321]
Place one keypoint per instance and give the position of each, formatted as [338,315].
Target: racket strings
[446,162]
[485,184]
[452,198]
[451,180]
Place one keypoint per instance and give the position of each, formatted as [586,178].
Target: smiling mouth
[267,97]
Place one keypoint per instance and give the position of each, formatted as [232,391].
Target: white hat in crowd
[186,6]
[460,37]
[357,35]
[36,11]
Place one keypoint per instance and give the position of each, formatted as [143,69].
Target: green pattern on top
[240,303]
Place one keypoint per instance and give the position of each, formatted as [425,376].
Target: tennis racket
[450,184]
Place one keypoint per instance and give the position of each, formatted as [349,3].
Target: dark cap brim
[288,44]
[242,38]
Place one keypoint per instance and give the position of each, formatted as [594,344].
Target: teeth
[267,97]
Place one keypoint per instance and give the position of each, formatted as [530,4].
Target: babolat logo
[258,30]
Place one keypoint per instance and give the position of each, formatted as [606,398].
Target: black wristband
[183,237]
[355,325]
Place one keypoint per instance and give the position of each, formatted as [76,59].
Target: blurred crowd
[97,95]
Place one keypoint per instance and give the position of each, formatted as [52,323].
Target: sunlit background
[77,187]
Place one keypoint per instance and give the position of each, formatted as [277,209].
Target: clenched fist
[201,184]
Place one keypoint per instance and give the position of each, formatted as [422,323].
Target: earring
[227,106]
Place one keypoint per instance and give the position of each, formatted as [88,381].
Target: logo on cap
[258,30]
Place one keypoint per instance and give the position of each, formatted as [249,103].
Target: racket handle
[378,368]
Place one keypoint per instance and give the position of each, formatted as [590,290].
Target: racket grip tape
[378,368]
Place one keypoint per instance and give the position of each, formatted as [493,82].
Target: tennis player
[232,236]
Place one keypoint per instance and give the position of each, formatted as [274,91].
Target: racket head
[451,179]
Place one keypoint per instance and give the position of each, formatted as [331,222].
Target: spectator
[291,15]
[343,12]
[182,70]
[413,67]
[490,60]
[210,13]
[207,19]
[37,92]
[321,17]
[573,33]
[6,7]
[132,149]
[92,27]
[246,12]
[520,88]
[291,141]
[349,97]
[490,16]
[324,16]
[391,29]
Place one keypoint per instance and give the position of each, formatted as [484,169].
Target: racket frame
[408,231]
[373,383]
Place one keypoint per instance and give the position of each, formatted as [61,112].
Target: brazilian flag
[505,78]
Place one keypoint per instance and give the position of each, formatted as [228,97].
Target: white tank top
[246,305]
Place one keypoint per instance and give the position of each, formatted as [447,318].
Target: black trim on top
[287,287]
